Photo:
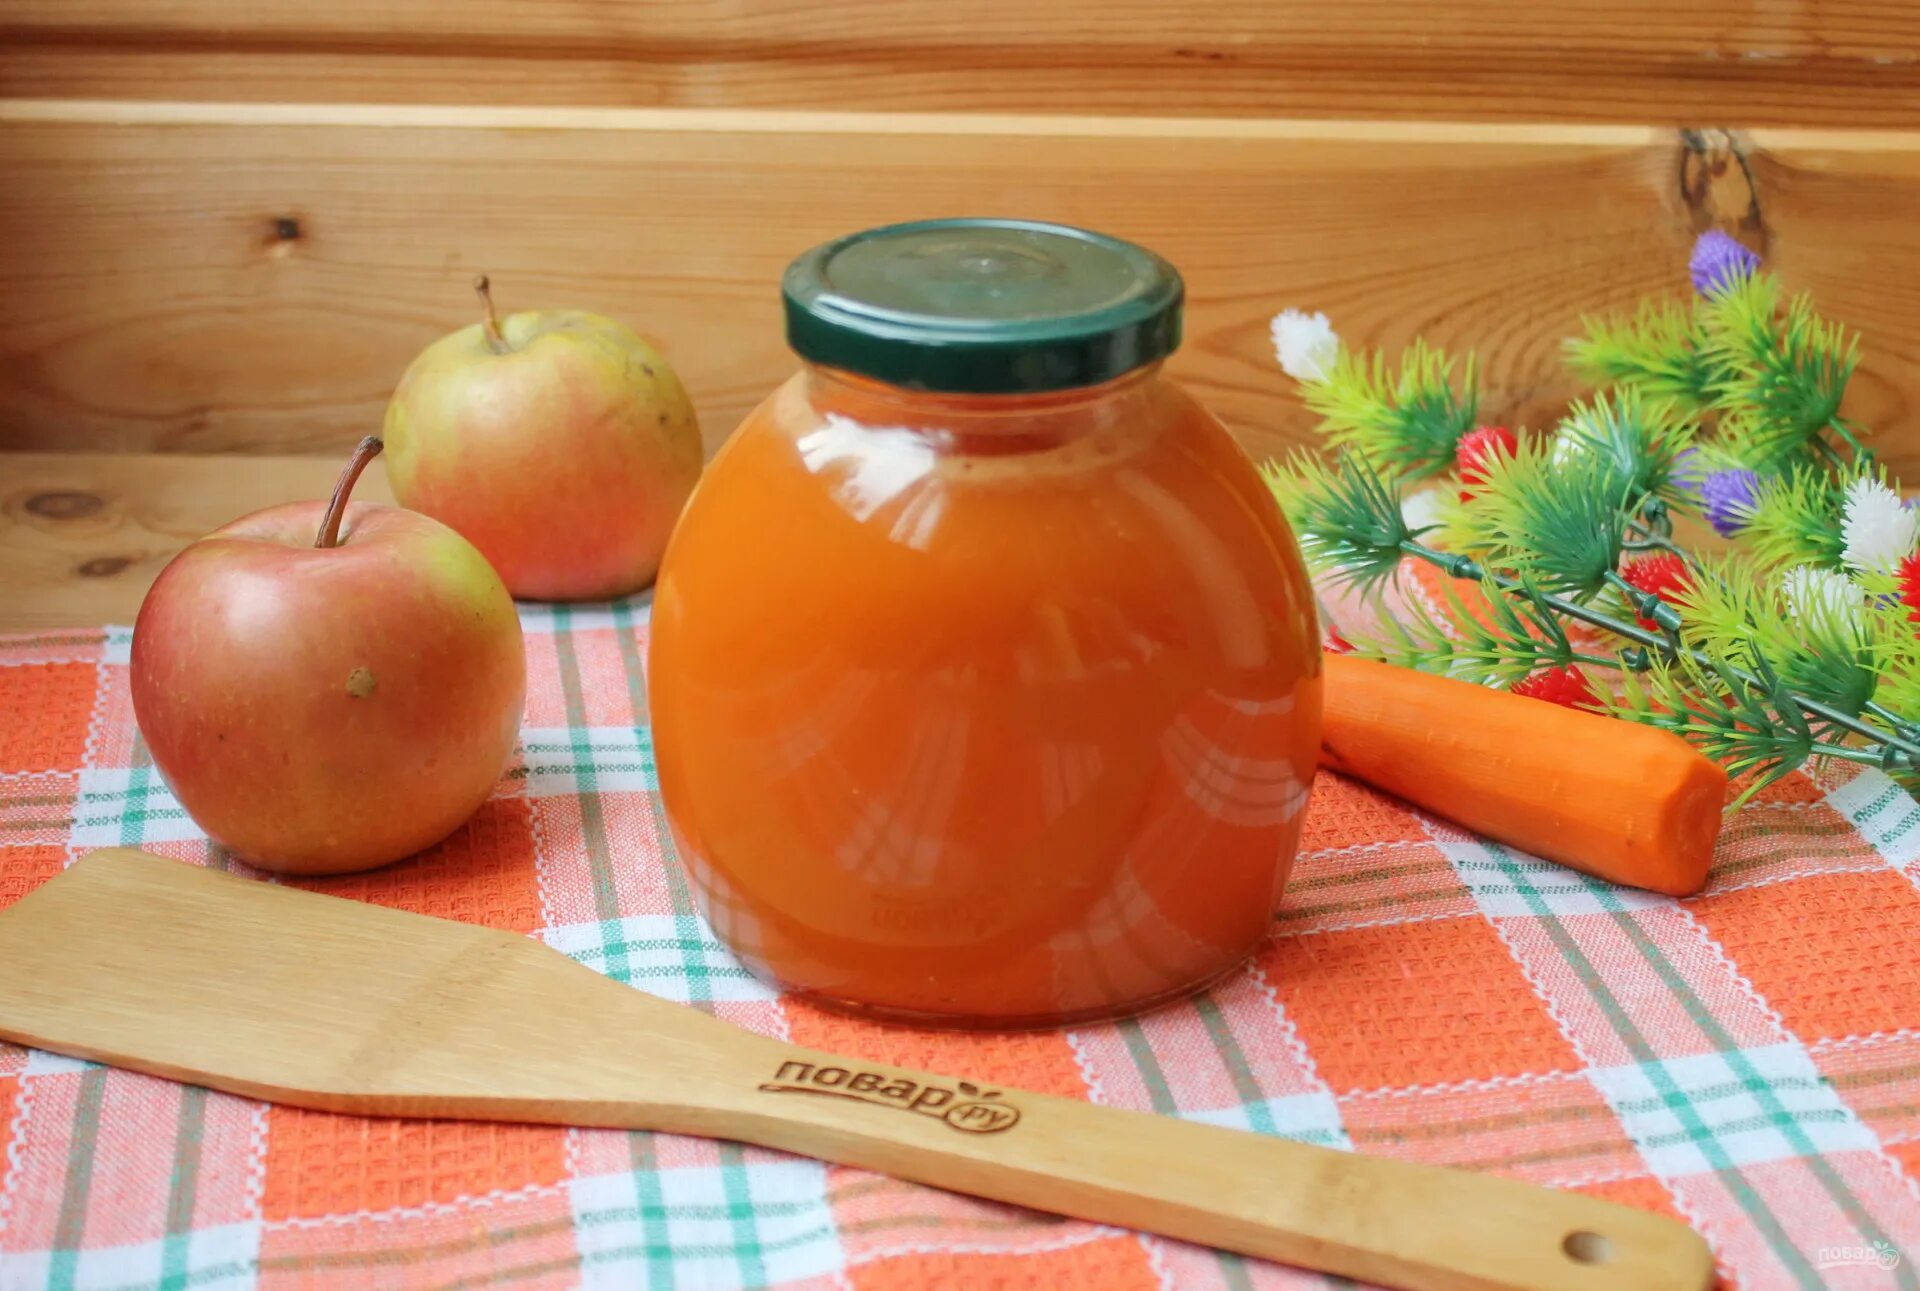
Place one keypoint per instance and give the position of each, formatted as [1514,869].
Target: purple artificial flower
[1718,262]
[1729,495]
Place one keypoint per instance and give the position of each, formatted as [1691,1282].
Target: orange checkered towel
[1748,1059]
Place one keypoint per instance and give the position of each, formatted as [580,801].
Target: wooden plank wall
[226,226]
[1848,63]
[245,278]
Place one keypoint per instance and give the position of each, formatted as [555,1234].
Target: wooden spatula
[274,993]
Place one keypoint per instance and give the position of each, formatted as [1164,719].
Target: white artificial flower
[1878,528]
[1422,510]
[1810,592]
[1306,345]
[1566,447]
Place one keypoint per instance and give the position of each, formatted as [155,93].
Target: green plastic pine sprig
[1896,660]
[1661,351]
[1406,419]
[1518,637]
[1821,647]
[1744,727]
[1795,518]
[1642,437]
[1783,372]
[1346,517]
[1557,520]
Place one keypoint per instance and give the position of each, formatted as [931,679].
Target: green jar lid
[982,306]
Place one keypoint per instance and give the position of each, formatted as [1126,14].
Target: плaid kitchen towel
[1748,1059]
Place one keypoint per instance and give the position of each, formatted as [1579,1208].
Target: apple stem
[363,452]
[490,322]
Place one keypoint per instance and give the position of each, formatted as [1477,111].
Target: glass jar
[983,668]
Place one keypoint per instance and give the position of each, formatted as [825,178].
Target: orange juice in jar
[983,671]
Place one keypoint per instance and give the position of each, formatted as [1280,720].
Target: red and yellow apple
[560,443]
[330,703]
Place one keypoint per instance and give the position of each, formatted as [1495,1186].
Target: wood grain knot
[64,504]
[1717,184]
[104,566]
[284,233]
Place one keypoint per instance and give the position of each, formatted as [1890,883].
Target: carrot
[1624,802]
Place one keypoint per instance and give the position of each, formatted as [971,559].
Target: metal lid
[977,306]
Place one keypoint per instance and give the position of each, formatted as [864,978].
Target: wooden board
[1720,62]
[83,535]
[209,279]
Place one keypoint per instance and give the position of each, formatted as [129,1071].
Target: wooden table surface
[82,535]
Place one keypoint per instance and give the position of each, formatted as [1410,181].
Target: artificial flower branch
[1797,645]
[1897,752]
[1340,543]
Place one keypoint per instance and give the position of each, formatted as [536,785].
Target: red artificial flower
[1665,575]
[1475,448]
[1910,587]
[1567,687]
[1337,643]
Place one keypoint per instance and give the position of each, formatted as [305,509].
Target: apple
[560,443]
[330,703]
